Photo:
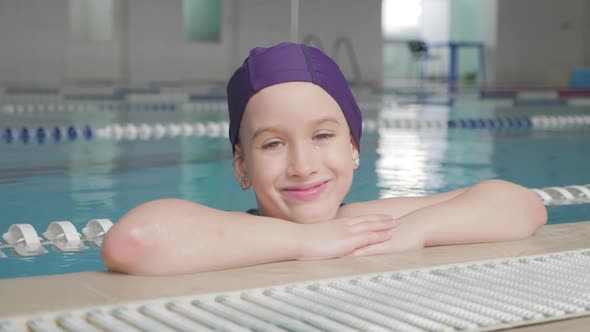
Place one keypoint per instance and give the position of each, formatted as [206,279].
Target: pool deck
[37,295]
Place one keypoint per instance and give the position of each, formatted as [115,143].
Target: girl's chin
[311,217]
[304,213]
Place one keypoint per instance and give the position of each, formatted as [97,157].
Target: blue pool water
[83,180]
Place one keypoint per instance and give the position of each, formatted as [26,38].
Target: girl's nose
[303,160]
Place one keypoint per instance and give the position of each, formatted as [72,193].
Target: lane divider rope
[212,105]
[24,241]
[144,131]
[16,109]
[568,195]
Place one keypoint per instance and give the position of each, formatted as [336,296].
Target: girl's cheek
[336,154]
[267,167]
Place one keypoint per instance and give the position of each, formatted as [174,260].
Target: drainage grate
[476,296]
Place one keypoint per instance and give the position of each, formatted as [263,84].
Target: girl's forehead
[290,107]
[293,99]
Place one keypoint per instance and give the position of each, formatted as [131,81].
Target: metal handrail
[352,55]
[311,38]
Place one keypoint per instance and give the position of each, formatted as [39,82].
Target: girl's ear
[239,164]
[355,154]
[353,148]
[240,170]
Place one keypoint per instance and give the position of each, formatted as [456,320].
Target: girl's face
[296,151]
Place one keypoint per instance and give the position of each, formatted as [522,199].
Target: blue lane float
[87,132]
[24,135]
[56,134]
[138,107]
[7,135]
[42,134]
[72,134]
[497,123]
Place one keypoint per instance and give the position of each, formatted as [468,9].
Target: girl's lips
[306,192]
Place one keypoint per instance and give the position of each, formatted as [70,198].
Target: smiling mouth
[306,192]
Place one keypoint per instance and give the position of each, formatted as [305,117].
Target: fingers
[341,237]
[371,238]
[377,248]
[372,230]
[375,225]
[368,218]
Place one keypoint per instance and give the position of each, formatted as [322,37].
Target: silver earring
[356,160]
[243,181]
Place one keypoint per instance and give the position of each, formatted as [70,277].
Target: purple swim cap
[288,62]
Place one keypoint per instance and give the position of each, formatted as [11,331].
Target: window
[401,17]
[202,20]
[91,20]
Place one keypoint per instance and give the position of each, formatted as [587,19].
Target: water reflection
[410,161]
[422,161]
[93,188]
[199,164]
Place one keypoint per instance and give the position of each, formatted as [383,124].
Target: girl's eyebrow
[314,123]
[261,130]
[327,119]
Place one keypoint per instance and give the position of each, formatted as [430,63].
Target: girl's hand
[405,237]
[341,237]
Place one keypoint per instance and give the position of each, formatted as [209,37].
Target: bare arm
[173,236]
[490,211]
[397,206]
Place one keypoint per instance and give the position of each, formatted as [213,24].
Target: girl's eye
[271,145]
[323,136]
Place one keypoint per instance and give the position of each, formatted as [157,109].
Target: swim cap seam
[310,66]
[250,74]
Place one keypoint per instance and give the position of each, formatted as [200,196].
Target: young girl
[295,130]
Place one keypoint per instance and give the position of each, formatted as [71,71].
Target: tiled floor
[25,296]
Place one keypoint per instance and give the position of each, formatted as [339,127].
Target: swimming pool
[102,176]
